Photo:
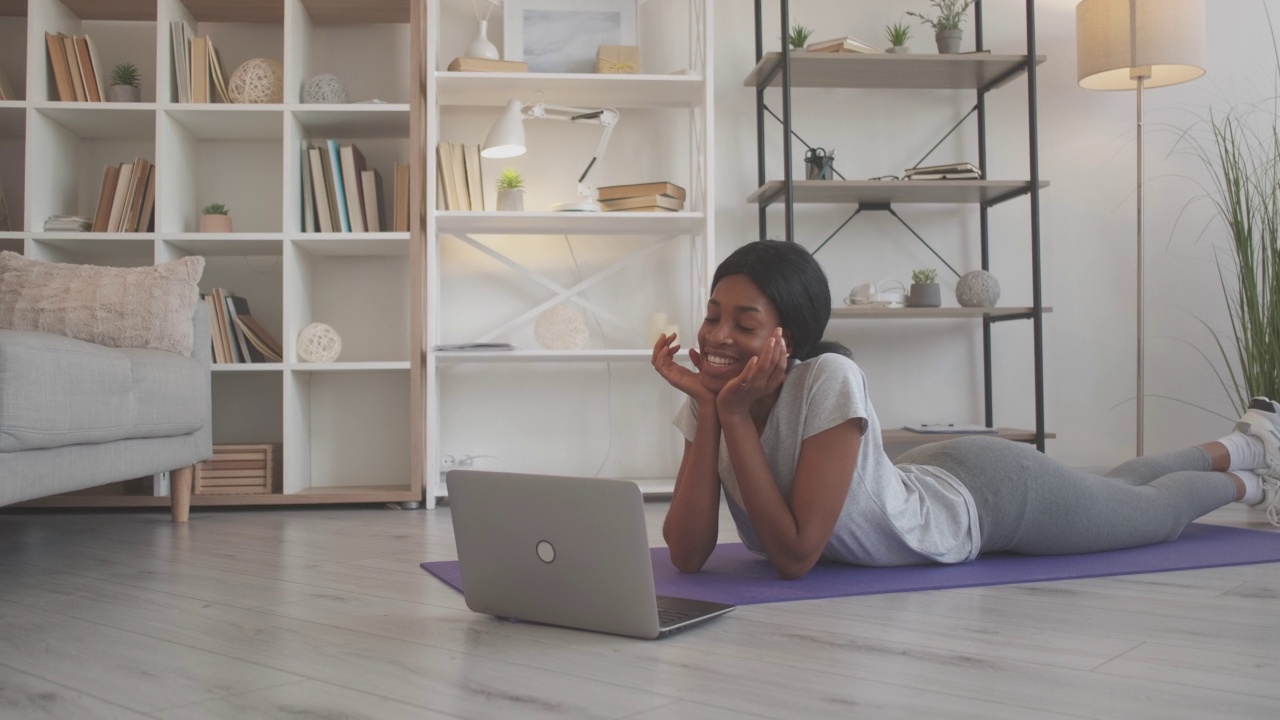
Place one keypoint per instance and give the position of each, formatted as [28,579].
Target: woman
[783,422]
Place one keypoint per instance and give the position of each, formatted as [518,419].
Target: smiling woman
[782,421]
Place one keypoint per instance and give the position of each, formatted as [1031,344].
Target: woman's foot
[1271,499]
[1262,420]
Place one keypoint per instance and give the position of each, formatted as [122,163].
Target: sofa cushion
[57,391]
[136,307]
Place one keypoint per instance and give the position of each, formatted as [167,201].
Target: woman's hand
[763,375]
[681,378]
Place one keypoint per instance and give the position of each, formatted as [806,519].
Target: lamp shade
[1117,40]
[506,137]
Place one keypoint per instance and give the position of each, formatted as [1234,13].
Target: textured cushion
[143,307]
[56,391]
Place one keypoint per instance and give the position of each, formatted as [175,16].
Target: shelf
[127,10]
[354,244]
[350,367]
[570,223]
[104,120]
[358,120]
[99,244]
[899,436]
[576,89]
[247,367]
[457,357]
[861,192]
[270,244]
[229,122]
[892,72]
[944,313]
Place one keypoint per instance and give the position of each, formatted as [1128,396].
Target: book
[339,191]
[648,202]
[949,167]
[268,344]
[458,167]
[946,176]
[617,192]
[401,220]
[353,190]
[103,214]
[118,196]
[180,38]
[61,69]
[237,306]
[199,69]
[950,429]
[224,328]
[371,183]
[444,160]
[215,71]
[475,183]
[320,189]
[73,64]
[475,347]
[137,195]
[470,64]
[89,74]
[145,218]
[845,44]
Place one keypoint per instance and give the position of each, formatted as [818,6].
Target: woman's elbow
[793,568]
[687,562]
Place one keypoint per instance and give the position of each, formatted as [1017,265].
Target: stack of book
[341,193]
[460,183]
[642,197]
[127,198]
[67,223]
[77,68]
[470,64]
[842,45]
[237,336]
[6,88]
[197,67]
[953,171]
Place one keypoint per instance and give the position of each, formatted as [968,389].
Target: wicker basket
[237,470]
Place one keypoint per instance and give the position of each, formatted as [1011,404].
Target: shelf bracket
[884,207]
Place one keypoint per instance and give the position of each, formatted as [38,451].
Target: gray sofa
[75,415]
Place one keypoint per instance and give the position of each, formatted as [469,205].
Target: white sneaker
[1271,499]
[1262,420]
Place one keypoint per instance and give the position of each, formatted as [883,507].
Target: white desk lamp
[506,139]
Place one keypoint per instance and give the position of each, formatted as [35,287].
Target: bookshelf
[488,275]
[347,429]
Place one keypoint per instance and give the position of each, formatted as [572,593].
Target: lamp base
[577,206]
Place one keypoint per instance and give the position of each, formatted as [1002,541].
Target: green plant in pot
[799,37]
[925,291]
[215,218]
[946,23]
[898,34]
[510,190]
[125,84]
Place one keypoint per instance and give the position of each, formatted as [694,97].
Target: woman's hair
[794,282]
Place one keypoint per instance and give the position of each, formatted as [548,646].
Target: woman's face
[740,320]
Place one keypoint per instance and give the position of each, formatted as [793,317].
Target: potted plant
[215,218]
[798,37]
[511,190]
[946,26]
[124,83]
[924,289]
[898,34]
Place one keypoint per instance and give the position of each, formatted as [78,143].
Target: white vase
[481,47]
[898,50]
[511,200]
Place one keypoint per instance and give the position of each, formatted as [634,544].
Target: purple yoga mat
[735,575]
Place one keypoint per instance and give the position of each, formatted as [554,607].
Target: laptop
[564,551]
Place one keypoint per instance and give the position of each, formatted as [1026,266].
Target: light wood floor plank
[301,700]
[27,697]
[1200,668]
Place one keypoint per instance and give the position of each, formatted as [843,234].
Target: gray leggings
[1028,503]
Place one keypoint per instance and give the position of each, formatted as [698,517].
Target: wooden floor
[325,613]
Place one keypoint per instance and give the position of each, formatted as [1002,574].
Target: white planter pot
[898,50]
[511,200]
[123,93]
[948,41]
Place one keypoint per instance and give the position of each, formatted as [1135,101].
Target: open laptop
[562,551]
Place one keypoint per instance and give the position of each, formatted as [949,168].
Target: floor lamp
[1136,45]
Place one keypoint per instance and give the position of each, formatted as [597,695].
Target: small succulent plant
[216,209]
[898,33]
[799,36]
[125,74]
[510,179]
[924,276]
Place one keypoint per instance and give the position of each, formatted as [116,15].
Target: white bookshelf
[347,429]
[489,275]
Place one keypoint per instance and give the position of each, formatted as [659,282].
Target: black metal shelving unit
[979,72]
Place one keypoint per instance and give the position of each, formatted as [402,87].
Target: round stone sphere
[977,288]
[324,89]
[561,328]
[259,80]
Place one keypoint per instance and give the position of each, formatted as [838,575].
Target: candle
[657,325]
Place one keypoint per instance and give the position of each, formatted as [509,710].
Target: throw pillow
[140,307]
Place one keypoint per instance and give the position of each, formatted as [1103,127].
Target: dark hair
[796,285]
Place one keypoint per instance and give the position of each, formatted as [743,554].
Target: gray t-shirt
[893,515]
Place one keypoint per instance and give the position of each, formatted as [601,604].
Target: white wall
[1088,216]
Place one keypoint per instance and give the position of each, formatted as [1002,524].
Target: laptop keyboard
[667,618]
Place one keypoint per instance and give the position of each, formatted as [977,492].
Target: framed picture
[562,36]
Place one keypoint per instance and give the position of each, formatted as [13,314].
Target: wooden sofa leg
[180,490]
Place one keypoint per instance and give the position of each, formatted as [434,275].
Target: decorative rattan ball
[324,89]
[259,80]
[319,343]
[561,328]
[978,288]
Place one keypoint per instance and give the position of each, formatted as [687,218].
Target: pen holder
[819,166]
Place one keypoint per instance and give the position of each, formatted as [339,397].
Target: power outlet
[450,462]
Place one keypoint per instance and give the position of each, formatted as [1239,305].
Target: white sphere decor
[561,328]
[977,288]
[319,343]
[257,81]
[324,89]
